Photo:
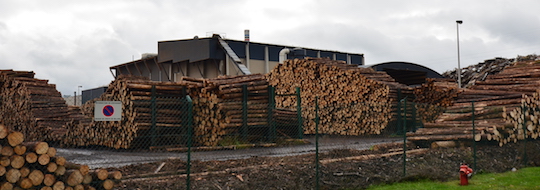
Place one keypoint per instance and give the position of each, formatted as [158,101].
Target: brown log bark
[108,184]
[15,138]
[100,174]
[13,175]
[59,185]
[73,177]
[17,161]
[43,159]
[49,180]
[19,149]
[36,176]
[31,157]
[25,183]
[6,186]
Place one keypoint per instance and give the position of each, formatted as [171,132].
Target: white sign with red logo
[108,111]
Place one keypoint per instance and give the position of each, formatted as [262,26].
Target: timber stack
[349,102]
[496,99]
[140,98]
[32,106]
[219,105]
[35,165]
[433,97]
[525,121]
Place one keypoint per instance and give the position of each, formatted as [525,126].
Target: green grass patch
[526,178]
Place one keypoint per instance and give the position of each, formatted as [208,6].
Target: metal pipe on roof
[283,55]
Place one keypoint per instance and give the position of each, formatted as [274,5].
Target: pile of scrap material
[35,165]
[479,72]
[32,106]
[218,110]
[349,102]
[140,98]
[504,91]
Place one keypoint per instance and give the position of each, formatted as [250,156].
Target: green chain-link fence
[186,141]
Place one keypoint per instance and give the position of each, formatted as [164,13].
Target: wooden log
[73,177]
[100,174]
[83,169]
[52,167]
[43,159]
[25,183]
[59,185]
[15,138]
[16,161]
[443,144]
[37,147]
[116,175]
[19,149]
[49,180]
[25,171]
[3,131]
[7,151]
[59,160]
[60,170]
[13,175]
[107,184]
[2,170]
[6,186]
[31,157]
[36,177]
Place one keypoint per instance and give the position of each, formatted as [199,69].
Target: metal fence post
[474,136]
[524,109]
[271,108]
[317,167]
[404,137]
[154,116]
[299,113]
[190,139]
[244,113]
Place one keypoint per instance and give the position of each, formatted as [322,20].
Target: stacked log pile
[525,121]
[135,129]
[350,103]
[502,91]
[35,165]
[218,110]
[32,106]
[433,97]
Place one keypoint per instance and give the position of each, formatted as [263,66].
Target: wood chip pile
[32,106]
[35,165]
[350,103]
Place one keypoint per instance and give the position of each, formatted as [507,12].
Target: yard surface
[298,171]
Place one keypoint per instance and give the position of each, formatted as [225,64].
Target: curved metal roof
[406,72]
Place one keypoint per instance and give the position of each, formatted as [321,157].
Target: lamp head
[459,21]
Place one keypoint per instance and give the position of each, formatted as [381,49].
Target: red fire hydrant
[464,174]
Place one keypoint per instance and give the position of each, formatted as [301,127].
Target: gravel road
[113,158]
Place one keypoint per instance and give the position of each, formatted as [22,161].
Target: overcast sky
[73,43]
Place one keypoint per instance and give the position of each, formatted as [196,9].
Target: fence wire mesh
[271,142]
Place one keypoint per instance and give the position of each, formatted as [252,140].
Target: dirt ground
[298,172]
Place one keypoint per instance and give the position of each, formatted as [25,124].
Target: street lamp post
[458,22]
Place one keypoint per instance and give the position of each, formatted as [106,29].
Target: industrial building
[214,56]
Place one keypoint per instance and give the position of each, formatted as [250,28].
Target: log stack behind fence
[140,98]
[497,101]
[350,103]
[32,106]
[219,104]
